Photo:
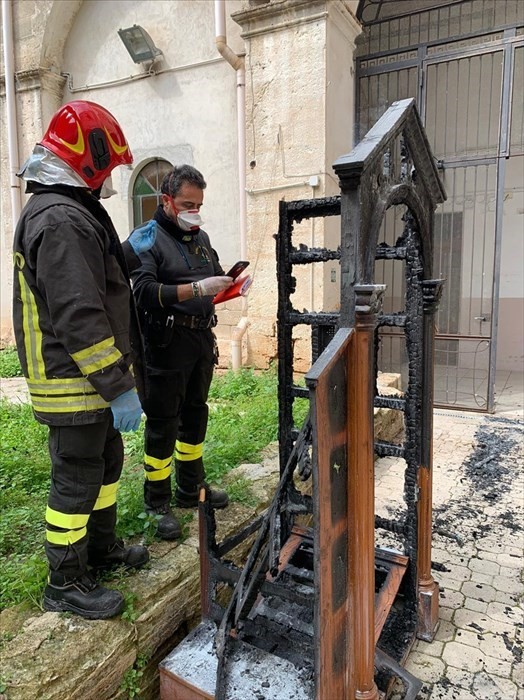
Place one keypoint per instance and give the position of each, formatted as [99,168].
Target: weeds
[240,490]
[9,363]
[116,579]
[133,676]
[23,578]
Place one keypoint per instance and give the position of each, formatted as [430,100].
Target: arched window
[146,190]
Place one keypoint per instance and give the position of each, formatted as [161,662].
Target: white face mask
[189,220]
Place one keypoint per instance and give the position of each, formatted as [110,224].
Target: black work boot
[168,527]
[132,557]
[82,596]
[186,499]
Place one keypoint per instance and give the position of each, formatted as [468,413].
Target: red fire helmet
[89,139]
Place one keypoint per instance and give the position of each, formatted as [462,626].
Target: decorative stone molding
[281,14]
[37,79]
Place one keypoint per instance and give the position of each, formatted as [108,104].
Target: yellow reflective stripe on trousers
[159,468]
[157,463]
[67,404]
[158,474]
[65,538]
[107,496]
[185,452]
[66,521]
[97,357]
[32,332]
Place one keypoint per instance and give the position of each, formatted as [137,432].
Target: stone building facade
[314,76]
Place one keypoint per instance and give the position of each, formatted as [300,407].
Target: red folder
[239,288]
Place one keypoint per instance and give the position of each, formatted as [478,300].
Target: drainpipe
[236,343]
[10,99]
[238,63]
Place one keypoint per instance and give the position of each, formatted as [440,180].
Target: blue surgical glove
[143,237]
[127,411]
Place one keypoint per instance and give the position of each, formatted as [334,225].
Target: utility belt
[158,325]
[197,322]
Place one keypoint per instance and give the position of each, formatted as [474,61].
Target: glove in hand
[143,237]
[127,411]
[212,285]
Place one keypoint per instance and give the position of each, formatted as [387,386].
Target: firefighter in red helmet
[78,339]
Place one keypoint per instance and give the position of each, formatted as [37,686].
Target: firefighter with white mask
[77,337]
[174,289]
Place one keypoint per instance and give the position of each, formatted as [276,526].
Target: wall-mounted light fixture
[139,44]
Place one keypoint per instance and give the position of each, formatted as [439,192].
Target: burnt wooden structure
[321,610]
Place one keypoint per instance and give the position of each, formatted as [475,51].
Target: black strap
[195,322]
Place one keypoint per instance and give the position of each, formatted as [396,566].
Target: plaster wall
[510,355]
[185,113]
[340,110]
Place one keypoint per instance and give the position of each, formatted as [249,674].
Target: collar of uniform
[172,228]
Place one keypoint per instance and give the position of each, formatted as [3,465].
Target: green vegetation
[243,420]
[133,676]
[9,363]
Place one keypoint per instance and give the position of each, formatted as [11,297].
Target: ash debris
[491,467]
[487,477]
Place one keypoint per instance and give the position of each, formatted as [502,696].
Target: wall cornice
[341,14]
[278,15]
[36,79]
[281,14]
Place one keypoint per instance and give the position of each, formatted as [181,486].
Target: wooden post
[328,384]
[428,590]
[361,498]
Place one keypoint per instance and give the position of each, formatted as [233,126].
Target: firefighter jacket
[172,261]
[75,322]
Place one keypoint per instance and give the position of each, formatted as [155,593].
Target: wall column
[299,118]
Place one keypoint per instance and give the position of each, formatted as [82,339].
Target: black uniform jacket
[75,322]
[170,262]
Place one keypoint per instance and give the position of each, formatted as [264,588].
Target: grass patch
[243,420]
[9,362]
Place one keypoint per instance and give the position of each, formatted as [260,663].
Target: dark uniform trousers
[81,513]
[180,369]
